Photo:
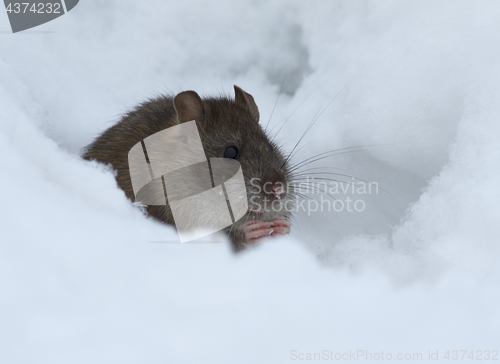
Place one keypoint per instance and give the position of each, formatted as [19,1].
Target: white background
[417,271]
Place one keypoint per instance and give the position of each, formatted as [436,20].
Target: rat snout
[268,195]
[276,190]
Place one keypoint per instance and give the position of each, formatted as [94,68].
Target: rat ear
[246,99]
[188,106]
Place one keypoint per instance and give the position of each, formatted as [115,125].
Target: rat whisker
[316,118]
[340,174]
[307,162]
[316,168]
[276,103]
[335,151]
[295,221]
[307,180]
[302,137]
[342,149]
[303,196]
[322,190]
[288,118]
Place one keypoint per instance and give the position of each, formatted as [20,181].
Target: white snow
[86,278]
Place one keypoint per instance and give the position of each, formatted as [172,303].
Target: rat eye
[232,153]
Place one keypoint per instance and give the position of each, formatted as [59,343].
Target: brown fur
[221,122]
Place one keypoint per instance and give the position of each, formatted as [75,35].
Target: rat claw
[281,231]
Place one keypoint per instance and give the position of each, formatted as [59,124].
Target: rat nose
[277,191]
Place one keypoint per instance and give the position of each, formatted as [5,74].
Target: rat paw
[280,226]
[256,231]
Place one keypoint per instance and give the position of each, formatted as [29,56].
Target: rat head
[230,129]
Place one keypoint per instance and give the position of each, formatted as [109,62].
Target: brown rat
[228,129]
